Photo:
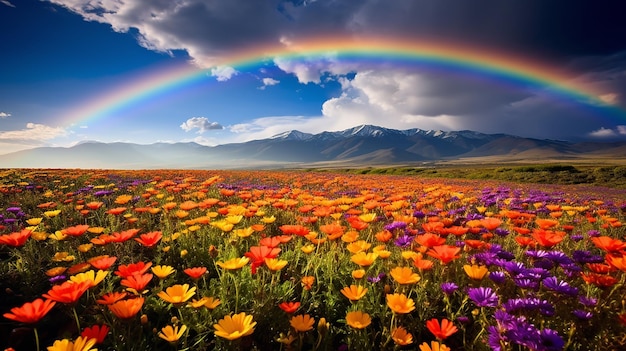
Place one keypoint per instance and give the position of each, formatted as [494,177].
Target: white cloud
[223,73]
[33,132]
[621,129]
[268,82]
[200,123]
[4,114]
[603,133]
[6,2]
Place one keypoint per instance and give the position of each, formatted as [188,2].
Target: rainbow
[498,66]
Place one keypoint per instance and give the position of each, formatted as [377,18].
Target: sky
[225,71]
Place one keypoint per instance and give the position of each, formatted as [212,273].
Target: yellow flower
[223,225]
[80,344]
[51,214]
[234,263]
[63,257]
[368,217]
[91,276]
[400,303]
[434,346]
[162,271]
[123,199]
[234,326]
[233,219]
[243,233]
[358,319]
[302,322]
[172,334]
[354,292]
[409,255]
[34,221]
[208,302]
[307,249]
[177,294]
[358,246]
[58,236]
[404,275]
[85,247]
[476,272]
[363,259]
[275,264]
[268,220]
[401,337]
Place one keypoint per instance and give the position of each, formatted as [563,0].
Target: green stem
[36,339]
[76,318]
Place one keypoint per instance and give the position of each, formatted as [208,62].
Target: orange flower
[429,240]
[363,259]
[294,229]
[68,292]
[302,323]
[177,294]
[608,244]
[476,272]
[149,239]
[111,298]
[98,332]
[102,262]
[548,238]
[30,312]
[434,346]
[400,303]
[124,235]
[443,330]
[15,239]
[404,275]
[444,253]
[126,309]
[307,282]
[125,271]
[618,262]
[354,292]
[401,337]
[358,319]
[76,230]
[258,254]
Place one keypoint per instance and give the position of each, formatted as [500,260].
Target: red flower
[442,331]
[149,239]
[30,312]
[124,235]
[68,292]
[125,271]
[195,272]
[76,230]
[15,239]
[258,254]
[294,229]
[98,332]
[289,307]
[103,262]
[444,253]
[137,281]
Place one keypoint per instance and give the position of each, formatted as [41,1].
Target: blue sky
[59,55]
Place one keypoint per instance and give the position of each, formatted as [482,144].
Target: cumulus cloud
[202,124]
[268,82]
[223,73]
[603,132]
[4,114]
[33,132]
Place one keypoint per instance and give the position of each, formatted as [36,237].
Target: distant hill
[364,145]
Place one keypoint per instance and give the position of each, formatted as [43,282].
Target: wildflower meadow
[297,260]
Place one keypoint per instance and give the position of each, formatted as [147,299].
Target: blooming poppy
[94,278]
[358,319]
[15,239]
[354,292]
[429,240]
[443,330]
[98,332]
[400,303]
[235,326]
[364,259]
[149,239]
[120,237]
[258,254]
[126,309]
[177,294]
[137,281]
[302,322]
[307,282]
[102,262]
[30,312]
[111,298]
[289,307]
[608,244]
[172,334]
[444,253]
[76,230]
[195,272]
[68,292]
[404,275]
[548,238]
[401,336]
[275,264]
[133,268]
[80,344]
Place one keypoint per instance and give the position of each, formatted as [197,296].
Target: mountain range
[364,145]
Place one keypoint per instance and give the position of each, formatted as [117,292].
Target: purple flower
[483,297]
[58,278]
[403,241]
[561,287]
[550,340]
[497,277]
[395,225]
[587,301]
[13,209]
[376,279]
[593,233]
[449,288]
[582,315]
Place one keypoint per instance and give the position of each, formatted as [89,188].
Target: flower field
[293,260]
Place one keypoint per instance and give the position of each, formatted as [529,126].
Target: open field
[386,258]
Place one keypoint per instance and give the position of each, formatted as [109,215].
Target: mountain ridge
[363,145]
